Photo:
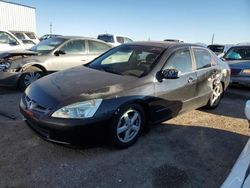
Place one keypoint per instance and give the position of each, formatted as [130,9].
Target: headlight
[246,72]
[79,110]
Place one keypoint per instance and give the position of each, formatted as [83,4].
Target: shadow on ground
[232,104]
[168,156]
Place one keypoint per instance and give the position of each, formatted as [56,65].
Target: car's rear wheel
[216,95]
[127,126]
[28,76]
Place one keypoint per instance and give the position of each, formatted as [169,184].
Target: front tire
[127,126]
[29,76]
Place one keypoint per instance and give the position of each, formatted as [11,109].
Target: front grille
[34,106]
[235,71]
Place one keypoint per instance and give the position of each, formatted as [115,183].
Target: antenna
[213,38]
[50,27]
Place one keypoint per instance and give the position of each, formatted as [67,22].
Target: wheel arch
[37,66]
[141,102]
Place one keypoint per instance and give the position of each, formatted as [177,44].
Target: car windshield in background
[238,53]
[48,45]
[128,60]
[216,48]
[106,38]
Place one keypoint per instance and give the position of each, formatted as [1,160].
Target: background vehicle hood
[77,84]
[13,53]
[239,64]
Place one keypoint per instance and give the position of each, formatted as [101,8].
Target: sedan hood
[76,84]
[239,64]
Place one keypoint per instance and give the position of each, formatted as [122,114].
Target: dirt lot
[196,149]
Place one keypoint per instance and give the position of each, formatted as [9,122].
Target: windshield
[106,38]
[128,60]
[48,45]
[238,53]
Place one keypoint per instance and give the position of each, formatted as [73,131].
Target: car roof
[83,38]
[241,46]
[162,44]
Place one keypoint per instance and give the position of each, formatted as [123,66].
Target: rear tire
[216,95]
[29,76]
[127,126]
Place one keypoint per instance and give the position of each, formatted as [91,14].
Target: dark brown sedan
[125,89]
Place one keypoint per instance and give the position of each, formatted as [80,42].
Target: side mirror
[59,52]
[167,74]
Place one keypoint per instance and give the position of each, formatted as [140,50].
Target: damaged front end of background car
[10,69]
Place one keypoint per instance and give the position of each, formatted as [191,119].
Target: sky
[189,20]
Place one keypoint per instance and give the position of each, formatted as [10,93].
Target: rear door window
[74,47]
[203,58]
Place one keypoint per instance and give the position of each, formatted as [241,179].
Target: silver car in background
[49,56]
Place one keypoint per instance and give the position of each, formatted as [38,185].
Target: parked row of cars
[123,89]
[128,86]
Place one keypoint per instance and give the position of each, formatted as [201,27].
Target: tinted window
[5,38]
[106,38]
[238,53]
[203,58]
[97,47]
[74,47]
[216,48]
[180,60]
[128,60]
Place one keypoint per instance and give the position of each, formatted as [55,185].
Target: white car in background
[114,40]
[25,35]
[239,176]
[8,42]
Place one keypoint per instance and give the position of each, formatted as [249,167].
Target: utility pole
[213,39]
[50,27]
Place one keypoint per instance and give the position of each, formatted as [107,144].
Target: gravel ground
[196,149]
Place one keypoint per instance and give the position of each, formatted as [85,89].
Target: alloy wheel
[216,93]
[129,125]
[31,77]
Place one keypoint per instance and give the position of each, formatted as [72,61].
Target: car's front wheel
[127,126]
[28,76]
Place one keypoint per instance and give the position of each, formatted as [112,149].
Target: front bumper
[240,80]
[66,131]
[9,79]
